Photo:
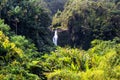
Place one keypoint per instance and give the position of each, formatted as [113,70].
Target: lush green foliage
[88,20]
[26,18]
[16,56]
[12,61]
[4,28]
[52,6]
[101,62]
[85,21]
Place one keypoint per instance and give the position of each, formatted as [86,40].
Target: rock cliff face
[73,38]
[63,38]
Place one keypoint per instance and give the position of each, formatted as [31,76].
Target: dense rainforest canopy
[88,40]
[89,20]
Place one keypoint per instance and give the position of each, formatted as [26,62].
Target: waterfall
[55,37]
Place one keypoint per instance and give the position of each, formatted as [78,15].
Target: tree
[26,18]
[17,55]
[88,20]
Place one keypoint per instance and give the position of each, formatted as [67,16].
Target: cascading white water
[55,37]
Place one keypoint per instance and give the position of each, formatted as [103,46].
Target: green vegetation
[101,62]
[89,20]
[28,19]
[27,51]
[14,56]
[55,5]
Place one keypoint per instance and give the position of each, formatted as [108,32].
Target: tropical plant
[16,56]
[87,20]
[26,18]
[102,61]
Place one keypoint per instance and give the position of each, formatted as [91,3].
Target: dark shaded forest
[88,45]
